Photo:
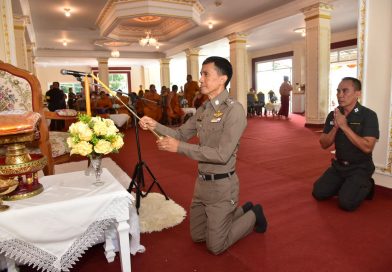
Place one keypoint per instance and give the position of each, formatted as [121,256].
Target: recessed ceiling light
[210,25]
[67,12]
[65,43]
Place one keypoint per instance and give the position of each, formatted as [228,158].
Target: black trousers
[350,183]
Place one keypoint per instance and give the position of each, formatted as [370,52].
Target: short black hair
[356,82]
[223,67]
[175,88]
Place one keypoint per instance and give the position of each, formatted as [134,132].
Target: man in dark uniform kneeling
[215,217]
[354,130]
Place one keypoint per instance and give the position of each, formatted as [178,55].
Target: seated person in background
[80,103]
[354,130]
[104,104]
[199,100]
[272,97]
[152,101]
[56,101]
[174,111]
[260,104]
[164,103]
[139,105]
[251,99]
[71,99]
[121,108]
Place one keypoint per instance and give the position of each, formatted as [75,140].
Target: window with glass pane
[269,75]
[118,81]
[264,66]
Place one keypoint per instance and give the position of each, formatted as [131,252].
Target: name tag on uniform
[216,120]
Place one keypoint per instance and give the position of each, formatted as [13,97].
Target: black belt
[347,163]
[343,163]
[216,176]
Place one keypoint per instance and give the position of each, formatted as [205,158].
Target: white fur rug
[155,212]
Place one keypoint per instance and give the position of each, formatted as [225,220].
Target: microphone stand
[138,175]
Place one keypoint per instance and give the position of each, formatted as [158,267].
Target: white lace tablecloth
[53,229]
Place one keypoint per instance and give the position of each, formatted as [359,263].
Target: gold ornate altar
[16,129]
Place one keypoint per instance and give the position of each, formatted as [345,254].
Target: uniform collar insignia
[218,114]
[216,102]
[356,110]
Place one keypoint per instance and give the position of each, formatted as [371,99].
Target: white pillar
[103,71]
[238,59]
[318,40]
[165,72]
[30,58]
[7,40]
[375,70]
[20,41]
[142,78]
[192,63]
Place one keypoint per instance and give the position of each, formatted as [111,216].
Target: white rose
[100,128]
[81,130]
[112,130]
[109,122]
[83,148]
[70,142]
[118,142]
[86,134]
[103,147]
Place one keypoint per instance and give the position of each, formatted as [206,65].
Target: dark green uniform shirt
[363,122]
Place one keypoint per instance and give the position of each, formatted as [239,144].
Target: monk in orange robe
[140,104]
[152,107]
[104,103]
[190,89]
[174,110]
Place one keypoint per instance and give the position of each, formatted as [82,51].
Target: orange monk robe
[151,109]
[139,107]
[190,89]
[104,103]
[122,108]
[174,109]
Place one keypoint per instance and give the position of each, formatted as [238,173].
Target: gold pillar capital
[237,37]
[192,51]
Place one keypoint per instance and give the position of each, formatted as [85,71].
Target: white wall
[49,74]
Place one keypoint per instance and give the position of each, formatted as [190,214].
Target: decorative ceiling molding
[246,25]
[166,19]
[96,54]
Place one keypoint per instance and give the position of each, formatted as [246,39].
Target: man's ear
[223,79]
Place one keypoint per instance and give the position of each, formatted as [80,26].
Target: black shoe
[261,221]
[371,193]
[247,206]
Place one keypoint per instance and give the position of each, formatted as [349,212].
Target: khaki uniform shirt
[219,124]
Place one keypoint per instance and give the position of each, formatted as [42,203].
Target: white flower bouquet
[94,136]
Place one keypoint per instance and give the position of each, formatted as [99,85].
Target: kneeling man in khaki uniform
[219,123]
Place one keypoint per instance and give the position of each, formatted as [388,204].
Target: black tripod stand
[138,174]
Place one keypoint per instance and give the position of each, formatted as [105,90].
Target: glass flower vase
[96,166]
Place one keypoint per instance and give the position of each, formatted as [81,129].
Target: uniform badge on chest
[217,117]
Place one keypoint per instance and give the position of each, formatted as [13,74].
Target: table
[53,229]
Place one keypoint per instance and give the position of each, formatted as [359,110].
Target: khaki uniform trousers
[214,215]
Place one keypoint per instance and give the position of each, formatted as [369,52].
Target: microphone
[74,73]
